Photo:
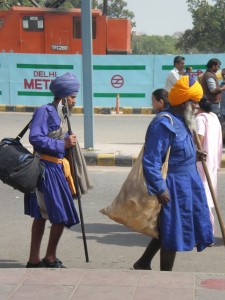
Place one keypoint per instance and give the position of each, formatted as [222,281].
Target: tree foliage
[43,3]
[118,9]
[208,33]
[115,8]
[76,3]
[154,44]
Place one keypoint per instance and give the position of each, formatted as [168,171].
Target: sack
[18,167]
[83,180]
[133,206]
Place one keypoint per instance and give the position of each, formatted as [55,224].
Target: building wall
[25,78]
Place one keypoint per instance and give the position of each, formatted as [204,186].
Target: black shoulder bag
[19,168]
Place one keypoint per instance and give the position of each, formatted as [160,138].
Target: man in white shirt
[176,73]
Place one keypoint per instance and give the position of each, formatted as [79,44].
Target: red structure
[58,31]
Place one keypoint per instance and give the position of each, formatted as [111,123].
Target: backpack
[19,168]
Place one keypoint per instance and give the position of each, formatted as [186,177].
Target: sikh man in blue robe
[184,221]
[52,199]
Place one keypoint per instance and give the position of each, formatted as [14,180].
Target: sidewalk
[123,155]
[63,284]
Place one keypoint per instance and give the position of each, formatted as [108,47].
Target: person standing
[188,70]
[52,199]
[184,221]
[222,106]
[176,72]
[222,84]
[210,133]
[211,86]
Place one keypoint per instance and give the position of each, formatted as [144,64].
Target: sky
[160,17]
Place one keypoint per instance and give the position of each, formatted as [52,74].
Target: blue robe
[58,199]
[184,221]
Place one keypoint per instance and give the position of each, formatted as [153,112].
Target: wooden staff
[75,178]
[215,201]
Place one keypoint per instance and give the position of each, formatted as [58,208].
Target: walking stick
[75,178]
[215,201]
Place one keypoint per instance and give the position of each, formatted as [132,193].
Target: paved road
[111,246]
[115,129]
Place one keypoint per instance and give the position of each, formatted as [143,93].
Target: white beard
[189,116]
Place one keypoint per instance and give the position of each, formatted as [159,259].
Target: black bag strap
[21,134]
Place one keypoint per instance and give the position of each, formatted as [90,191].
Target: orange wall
[111,34]
[99,44]
[118,35]
[10,33]
[59,31]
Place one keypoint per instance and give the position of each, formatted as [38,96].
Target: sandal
[52,264]
[38,265]
[58,260]
[138,266]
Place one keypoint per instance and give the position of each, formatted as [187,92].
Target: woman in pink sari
[210,135]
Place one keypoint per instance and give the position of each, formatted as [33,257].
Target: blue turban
[65,85]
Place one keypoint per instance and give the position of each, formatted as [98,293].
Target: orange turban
[185,89]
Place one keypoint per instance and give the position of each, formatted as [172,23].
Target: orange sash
[66,169]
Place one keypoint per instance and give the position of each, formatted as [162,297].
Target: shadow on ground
[113,234]
[10,264]
[116,234]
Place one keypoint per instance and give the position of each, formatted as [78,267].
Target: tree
[6,4]
[155,44]
[77,3]
[208,33]
[118,9]
[115,8]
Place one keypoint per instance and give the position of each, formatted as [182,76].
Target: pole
[118,103]
[75,178]
[215,201]
[86,30]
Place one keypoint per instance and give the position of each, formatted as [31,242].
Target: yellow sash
[66,169]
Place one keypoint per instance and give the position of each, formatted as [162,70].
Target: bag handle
[21,134]
[168,116]
[168,151]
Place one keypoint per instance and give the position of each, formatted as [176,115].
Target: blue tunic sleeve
[159,137]
[45,120]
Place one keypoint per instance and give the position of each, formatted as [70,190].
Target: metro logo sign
[117,81]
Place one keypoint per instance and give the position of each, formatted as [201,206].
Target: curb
[104,159]
[80,110]
[119,160]
[222,165]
